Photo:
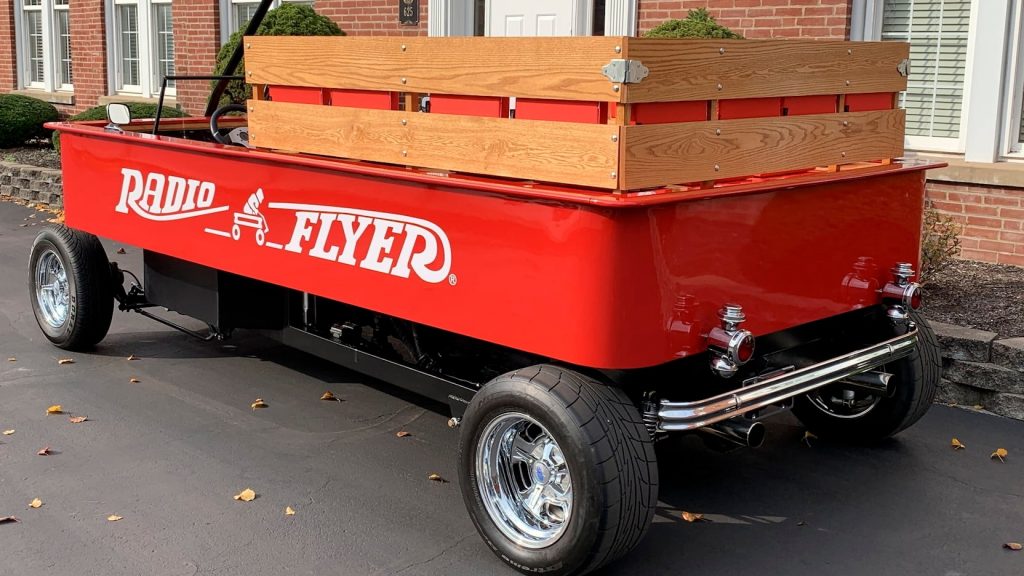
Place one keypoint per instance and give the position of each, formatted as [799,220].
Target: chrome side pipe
[749,434]
[875,382]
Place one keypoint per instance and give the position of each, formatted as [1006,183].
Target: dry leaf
[64,361]
[1000,453]
[6,519]
[45,452]
[8,432]
[329,396]
[693,517]
[36,503]
[437,478]
[134,380]
[246,495]
[55,409]
[978,407]
[120,250]
[957,445]
[402,434]
[259,403]
[801,523]
[1015,546]
[133,357]
[808,436]
[12,359]
[77,419]
[288,511]
[114,518]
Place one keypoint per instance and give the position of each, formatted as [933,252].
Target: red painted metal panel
[870,101]
[371,99]
[749,108]
[801,105]
[668,112]
[494,107]
[562,110]
[609,287]
[297,94]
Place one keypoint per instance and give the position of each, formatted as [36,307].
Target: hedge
[138,109]
[22,118]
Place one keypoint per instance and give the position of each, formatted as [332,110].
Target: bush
[22,118]
[940,242]
[288,20]
[697,24]
[138,109]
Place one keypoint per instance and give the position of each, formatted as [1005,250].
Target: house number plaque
[409,12]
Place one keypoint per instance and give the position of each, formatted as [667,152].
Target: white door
[538,17]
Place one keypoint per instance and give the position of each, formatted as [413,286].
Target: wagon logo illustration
[250,217]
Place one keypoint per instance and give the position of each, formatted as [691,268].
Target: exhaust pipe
[738,432]
[875,382]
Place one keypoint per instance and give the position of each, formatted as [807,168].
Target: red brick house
[964,100]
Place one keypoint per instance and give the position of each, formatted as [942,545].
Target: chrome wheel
[840,402]
[523,480]
[51,287]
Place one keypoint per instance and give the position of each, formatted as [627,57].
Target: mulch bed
[977,295]
[39,154]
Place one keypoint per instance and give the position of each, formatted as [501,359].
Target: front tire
[847,416]
[70,287]
[557,471]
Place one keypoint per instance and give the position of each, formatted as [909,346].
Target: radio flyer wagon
[663,237]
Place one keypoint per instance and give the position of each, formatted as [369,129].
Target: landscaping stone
[1009,353]
[960,394]
[31,183]
[1010,405]
[961,343]
[984,375]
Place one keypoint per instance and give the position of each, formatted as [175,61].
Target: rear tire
[916,381]
[70,287]
[601,446]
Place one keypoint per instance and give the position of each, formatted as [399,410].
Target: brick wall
[992,218]
[760,18]
[8,75]
[365,17]
[88,53]
[196,42]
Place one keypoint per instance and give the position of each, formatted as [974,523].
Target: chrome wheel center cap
[541,474]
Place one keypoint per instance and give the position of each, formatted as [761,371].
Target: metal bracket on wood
[623,71]
[903,67]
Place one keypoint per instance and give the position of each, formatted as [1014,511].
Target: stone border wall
[980,369]
[31,184]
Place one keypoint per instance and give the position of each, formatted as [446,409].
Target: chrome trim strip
[674,416]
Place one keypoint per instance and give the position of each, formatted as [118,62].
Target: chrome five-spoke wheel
[524,480]
[51,286]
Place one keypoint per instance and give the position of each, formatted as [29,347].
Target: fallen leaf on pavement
[288,511]
[437,478]
[402,434]
[120,250]
[64,361]
[12,359]
[693,517]
[957,445]
[55,409]
[1015,546]
[801,523]
[1000,453]
[114,518]
[77,419]
[6,519]
[246,495]
[808,436]
[8,432]
[45,452]
[329,396]
[36,503]
[134,380]
[133,357]
[259,403]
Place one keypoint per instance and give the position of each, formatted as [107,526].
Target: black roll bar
[236,57]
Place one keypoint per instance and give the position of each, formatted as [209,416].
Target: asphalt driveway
[168,452]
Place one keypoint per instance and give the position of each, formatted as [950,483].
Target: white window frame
[52,81]
[229,23]
[149,77]
[1012,146]
[866,24]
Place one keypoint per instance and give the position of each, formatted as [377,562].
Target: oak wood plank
[556,68]
[562,152]
[723,69]
[660,154]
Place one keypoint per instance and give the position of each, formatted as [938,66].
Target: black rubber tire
[916,381]
[610,456]
[90,288]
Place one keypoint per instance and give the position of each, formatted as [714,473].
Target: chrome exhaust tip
[875,382]
[739,432]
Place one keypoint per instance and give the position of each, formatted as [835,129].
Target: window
[1014,143]
[938,32]
[235,14]
[142,46]
[44,45]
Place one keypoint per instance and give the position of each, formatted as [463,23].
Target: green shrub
[288,20]
[940,242]
[22,118]
[138,109]
[697,24]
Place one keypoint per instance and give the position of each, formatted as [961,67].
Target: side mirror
[118,114]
